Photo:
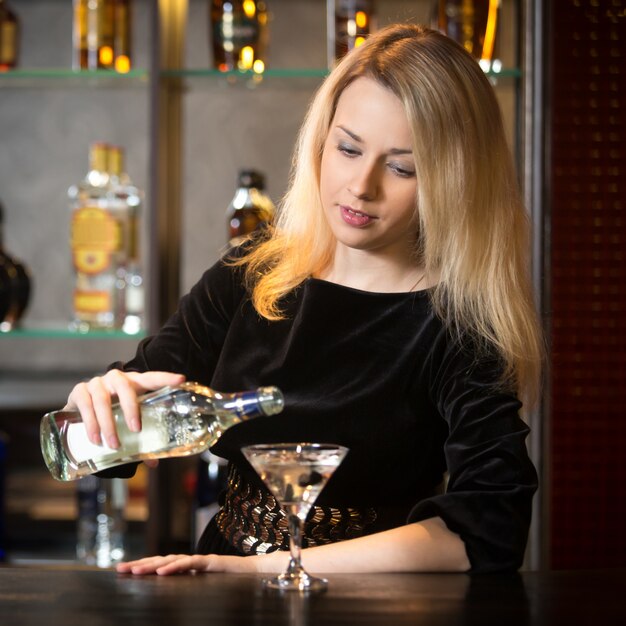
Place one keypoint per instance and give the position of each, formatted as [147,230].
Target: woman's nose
[365,182]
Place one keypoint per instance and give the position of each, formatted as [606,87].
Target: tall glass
[295,473]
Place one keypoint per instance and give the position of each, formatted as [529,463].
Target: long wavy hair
[473,228]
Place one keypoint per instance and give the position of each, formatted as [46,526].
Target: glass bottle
[211,481]
[130,200]
[101,521]
[92,34]
[3,454]
[15,285]
[122,35]
[98,227]
[6,273]
[354,21]
[250,207]
[176,421]
[5,290]
[9,37]
[239,34]
[473,24]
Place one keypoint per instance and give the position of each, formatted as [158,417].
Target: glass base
[300,581]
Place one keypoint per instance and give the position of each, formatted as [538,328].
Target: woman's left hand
[186,563]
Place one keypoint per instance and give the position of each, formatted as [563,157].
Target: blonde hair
[473,228]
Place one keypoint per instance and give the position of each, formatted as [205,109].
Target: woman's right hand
[93,399]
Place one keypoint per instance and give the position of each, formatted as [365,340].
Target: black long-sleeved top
[378,373]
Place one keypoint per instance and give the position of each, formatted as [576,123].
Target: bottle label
[80,447]
[92,301]
[95,236]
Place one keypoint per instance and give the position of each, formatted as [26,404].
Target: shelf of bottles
[234,62]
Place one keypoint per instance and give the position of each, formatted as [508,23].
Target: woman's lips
[355,218]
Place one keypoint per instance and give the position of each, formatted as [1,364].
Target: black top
[378,373]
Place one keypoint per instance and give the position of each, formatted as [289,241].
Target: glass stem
[295,545]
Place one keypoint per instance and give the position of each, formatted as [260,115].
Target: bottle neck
[245,405]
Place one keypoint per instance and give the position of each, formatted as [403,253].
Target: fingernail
[113,441]
[97,439]
[135,425]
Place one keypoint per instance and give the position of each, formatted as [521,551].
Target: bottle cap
[271,400]
[251,178]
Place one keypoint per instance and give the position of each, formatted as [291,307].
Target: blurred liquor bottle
[239,35]
[101,520]
[129,199]
[473,24]
[9,37]
[93,34]
[250,207]
[98,227]
[212,474]
[354,21]
[122,36]
[15,285]
[3,455]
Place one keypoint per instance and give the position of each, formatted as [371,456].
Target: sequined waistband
[252,521]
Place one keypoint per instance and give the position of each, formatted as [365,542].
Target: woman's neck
[367,271]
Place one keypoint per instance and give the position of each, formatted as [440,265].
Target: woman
[391,304]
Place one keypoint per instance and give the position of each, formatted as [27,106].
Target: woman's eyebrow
[350,134]
[356,137]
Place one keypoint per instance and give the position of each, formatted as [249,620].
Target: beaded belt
[252,521]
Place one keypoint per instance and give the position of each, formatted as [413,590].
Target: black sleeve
[491,479]
[190,342]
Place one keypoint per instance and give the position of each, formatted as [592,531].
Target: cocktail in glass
[295,473]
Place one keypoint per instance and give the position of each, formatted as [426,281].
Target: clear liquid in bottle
[176,421]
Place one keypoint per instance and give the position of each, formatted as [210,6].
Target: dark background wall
[587,199]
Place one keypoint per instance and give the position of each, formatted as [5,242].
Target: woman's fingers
[80,400]
[100,394]
[149,381]
[127,385]
[181,563]
[94,399]
[122,386]
[166,565]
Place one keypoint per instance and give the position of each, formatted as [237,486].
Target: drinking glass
[295,473]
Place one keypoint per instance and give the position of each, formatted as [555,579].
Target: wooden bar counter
[75,596]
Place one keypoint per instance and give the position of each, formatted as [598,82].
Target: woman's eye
[348,150]
[398,169]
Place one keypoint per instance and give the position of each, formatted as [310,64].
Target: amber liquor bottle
[9,37]
[239,34]
[354,21]
[472,23]
[122,35]
[92,37]
[98,227]
[15,285]
[250,207]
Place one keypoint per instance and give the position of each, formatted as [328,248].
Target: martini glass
[295,473]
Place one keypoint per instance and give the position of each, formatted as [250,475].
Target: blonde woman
[391,303]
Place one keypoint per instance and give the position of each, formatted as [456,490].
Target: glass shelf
[284,73]
[251,79]
[35,77]
[61,330]
[236,75]
[199,77]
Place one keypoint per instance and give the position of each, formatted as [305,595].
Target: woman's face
[367,182]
